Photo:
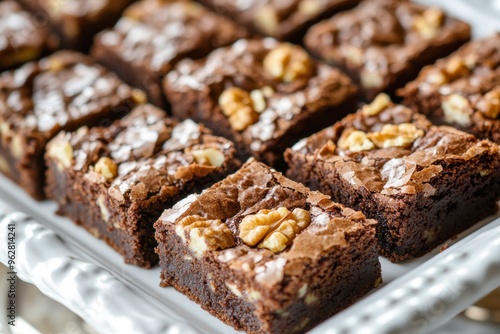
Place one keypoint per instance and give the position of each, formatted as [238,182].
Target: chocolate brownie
[77,21]
[265,254]
[62,92]
[116,181]
[22,37]
[153,35]
[462,90]
[423,183]
[262,94]
[383,44]
[278,18]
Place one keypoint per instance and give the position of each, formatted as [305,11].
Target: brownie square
[116,181]
[265,254]
[153,35]
[383,44]
[462,90]
[262,94]
[422,183]
[62,92]
[76,22]
[277,18]
[22,37]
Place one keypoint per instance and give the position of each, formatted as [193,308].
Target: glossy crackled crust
[155,167]
[61,92]
[269,282]
[407,189]
[378,45]
[481,77]
[277,18]
[153,35]
[295,109]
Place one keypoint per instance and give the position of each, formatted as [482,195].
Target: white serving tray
[83,273]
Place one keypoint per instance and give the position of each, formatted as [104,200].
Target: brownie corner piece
[116,181]
[179,29]
[382,44]
[262,94]
[265,254]
[422,183]
[64,91]
[462,89]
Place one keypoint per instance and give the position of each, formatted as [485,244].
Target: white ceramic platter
[83,273]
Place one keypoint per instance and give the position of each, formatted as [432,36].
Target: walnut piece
[62,152]
[310,7]
[391,135]
[381,102]
[355,141]
[237,104]
[107,168]
[489,105]
[371,79]
[273,229]
[209,156]
[259,96]
[204,234]
[288,62]
[457,110]
[327,149]
[430,22]
[267,20]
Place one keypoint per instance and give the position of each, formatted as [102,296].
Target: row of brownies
[258,250]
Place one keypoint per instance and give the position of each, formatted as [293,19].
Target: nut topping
[288,62]
[457,110]
[380,102]
[107,168]
[267,20]
[429,23]
[209,156]
[396,135]
[204,234]
[62,152]
[237,104]
[489,105]
[273,229]
[355,141]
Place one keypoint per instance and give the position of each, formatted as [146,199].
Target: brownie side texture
[116,181]
[153,35]
[62,92]
[265,254]
[383,44]
[262,94]
[462,90]
[76,22]
[422,183]
[277,18]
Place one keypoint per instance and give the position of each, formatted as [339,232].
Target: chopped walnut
[489,105]
[457,110]
[371,79]
[396,135]
[327,149]
[355,141]
[258,97]
[209,156]
[267,20]
[456,67]
[288,62]
[430,22]
[381,102]
[310,7]
[273,229]
[62,152]
[204,234]
[107,168]
[237,104]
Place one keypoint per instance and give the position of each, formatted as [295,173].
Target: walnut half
[238,106]
[288,62]
[391,135]
[273,229]
[204,234]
